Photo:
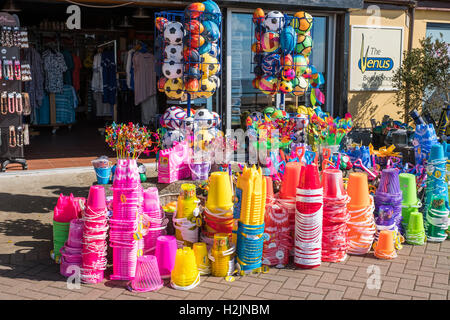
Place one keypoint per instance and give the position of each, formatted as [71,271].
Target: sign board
[375,55]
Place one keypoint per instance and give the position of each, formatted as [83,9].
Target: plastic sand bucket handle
[192,286]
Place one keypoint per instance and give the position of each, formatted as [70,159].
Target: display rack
[12,141]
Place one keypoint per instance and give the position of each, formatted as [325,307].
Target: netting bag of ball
[281,48]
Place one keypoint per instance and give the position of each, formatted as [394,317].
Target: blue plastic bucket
[103,175]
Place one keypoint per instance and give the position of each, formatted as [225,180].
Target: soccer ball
[173,53]
[204,119]
[172,69]
[173,117]
[207,88]
[217,120]
[210,65]
[285,86]
[161,83]
[170,137]
[300,64]
[211,32]
[194,27]
[174,32]
[274,21]
[216,79]
[300,85]
[304,45]
[174,88]
[215,50]
[191,56]
[188,124]
[302,22]
[192,85]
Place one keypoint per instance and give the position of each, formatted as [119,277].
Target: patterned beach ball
[287,39]
[271,64]
[270,41]
[268,84]
[288,74]
[285,86]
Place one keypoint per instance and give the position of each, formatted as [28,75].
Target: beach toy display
[384,247]
[335,217]
[165,252]
[388,205]
[95,231]
[222,256]
[173,163]
[201,258]
[185,275]
[154,220]
[361,225]
[249,210]
[436,195]
[278,242]
[415,231]
[102,167]
[424,138]
[308,219]
[218,213]
[410,201]
[147,276]
[187,217]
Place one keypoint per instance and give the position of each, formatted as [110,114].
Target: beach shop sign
[376,52]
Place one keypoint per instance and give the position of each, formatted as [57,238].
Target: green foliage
[423,80]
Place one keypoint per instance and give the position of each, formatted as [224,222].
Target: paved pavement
[27,272]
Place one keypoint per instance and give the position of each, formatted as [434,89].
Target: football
[194,10]
[174,32]
[217,120]
[170,137]
[216,79]
[173,52]
[304,45]
[161,83]
[194,27]
[172,69]
[215,50]
[302,22]
[285,86]
[188,124]
[174,88]
[207,88]
[173,117]
[274,21]
[204,119]
[209,65]
[300,85]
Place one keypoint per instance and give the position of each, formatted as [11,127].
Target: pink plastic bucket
[75,233]
[147,275]
[91,275]
[124,263]
[165,252]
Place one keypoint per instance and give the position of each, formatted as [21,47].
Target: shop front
[117,28]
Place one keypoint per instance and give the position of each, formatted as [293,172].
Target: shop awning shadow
[24,203]
[76,191]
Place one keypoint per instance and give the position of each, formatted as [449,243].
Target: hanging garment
[97,77]
[144,76]
[65,104]
[70,65]
[129,68]
[76,72]
[149,109]
[102,109]
[109,77]
[54,67]
[35,87]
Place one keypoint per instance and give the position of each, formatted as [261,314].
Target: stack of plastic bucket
[335,217]
[251,194]
[278,232]
[64,212]
[165,252]
[308,219]
[221,256]
[94,236]
[436,196]
[286,197]
[218,213]
[127,207]
[155,223]
[147,276]
[415,231]
[185,275]
[71,251]
[384,247]
[410,202]
[361,225]
[185,222]
[201,258]
[388,205]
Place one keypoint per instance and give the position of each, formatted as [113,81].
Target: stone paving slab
[27,272]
